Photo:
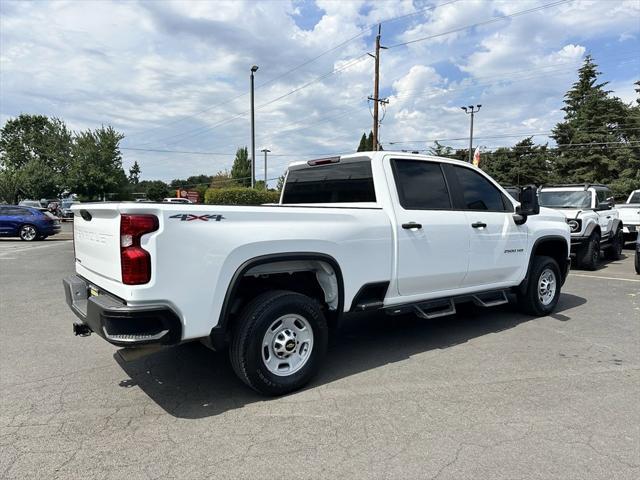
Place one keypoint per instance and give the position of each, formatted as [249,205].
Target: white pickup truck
[397,232]
[630,215]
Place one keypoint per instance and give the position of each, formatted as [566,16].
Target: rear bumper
[118,323]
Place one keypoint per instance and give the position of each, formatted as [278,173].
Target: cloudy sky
[174,75]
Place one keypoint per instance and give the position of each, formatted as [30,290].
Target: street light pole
[254,69]
[470,110]
[265,150]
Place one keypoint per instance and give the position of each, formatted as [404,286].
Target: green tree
[155,190]
[241,169]
[593,139]
[523,164]
[440,150]
[362,146]
[96,168]
[370,142]
[134,173]
[280,183]
[222,179]
[35,152]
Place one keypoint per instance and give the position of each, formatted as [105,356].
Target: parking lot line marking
[605,278]
[4,253]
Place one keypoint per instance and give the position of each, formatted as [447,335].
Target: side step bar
[490,299]
[447,306]
[435,309]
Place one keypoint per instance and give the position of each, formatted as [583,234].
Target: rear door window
[334,183]
[421,185]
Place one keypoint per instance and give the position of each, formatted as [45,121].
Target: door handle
[479,225]
[608,216]
[411,225]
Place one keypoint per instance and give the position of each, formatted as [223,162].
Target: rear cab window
[341,182]
[421,185]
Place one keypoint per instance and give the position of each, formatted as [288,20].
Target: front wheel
[614,250]
[589,254]
[279,342]
[543,289]
[28,233]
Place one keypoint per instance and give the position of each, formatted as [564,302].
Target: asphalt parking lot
[486,394]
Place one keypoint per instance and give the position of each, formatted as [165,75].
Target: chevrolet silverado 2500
[397,232]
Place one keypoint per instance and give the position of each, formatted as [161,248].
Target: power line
[485,22]
[363,32]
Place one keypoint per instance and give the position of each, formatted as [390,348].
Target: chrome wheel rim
[287,345]
[28,232]
[547,286]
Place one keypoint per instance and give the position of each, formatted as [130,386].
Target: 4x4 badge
[188,217]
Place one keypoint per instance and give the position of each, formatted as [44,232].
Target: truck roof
[373,156]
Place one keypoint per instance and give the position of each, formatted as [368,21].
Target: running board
[435,309]
[490,299]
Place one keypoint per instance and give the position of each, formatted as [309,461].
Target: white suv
[594,221]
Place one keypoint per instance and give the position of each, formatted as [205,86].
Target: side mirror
[528,205]
[604,206]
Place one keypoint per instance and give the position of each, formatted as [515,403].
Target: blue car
[28,223]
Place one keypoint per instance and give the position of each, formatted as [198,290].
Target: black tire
[28,233]
[246,349]
[529,301]
[614,250]
[589,255]
[637,261]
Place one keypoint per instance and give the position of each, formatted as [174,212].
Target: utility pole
[254,69]
[376,89]
[470,110]
[265,150]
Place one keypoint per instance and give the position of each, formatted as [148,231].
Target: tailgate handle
[479,225]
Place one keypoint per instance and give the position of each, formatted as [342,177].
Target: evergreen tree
[134,173]
[241,169]
[597,119]
[362,147]
[523,164]
[370,147]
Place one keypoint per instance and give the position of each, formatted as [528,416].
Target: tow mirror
[528,204]
[604,206]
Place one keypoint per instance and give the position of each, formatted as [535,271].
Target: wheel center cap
[285,343]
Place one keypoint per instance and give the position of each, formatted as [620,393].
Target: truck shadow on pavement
[190,381]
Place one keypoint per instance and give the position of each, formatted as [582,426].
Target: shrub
[240,196]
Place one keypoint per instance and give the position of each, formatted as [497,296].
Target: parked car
[28,223]
[593,219]
[514,192]
[32,203]
[630,216]
[388,231]
[176,200]
[65,207]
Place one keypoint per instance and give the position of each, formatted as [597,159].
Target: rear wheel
[28,233]
[614,250]
[279,342]
[543,289]
[589,254]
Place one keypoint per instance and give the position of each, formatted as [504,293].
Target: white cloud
[168,73]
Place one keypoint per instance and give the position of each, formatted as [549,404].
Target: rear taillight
[135,262]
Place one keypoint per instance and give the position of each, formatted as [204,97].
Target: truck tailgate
[96,234]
